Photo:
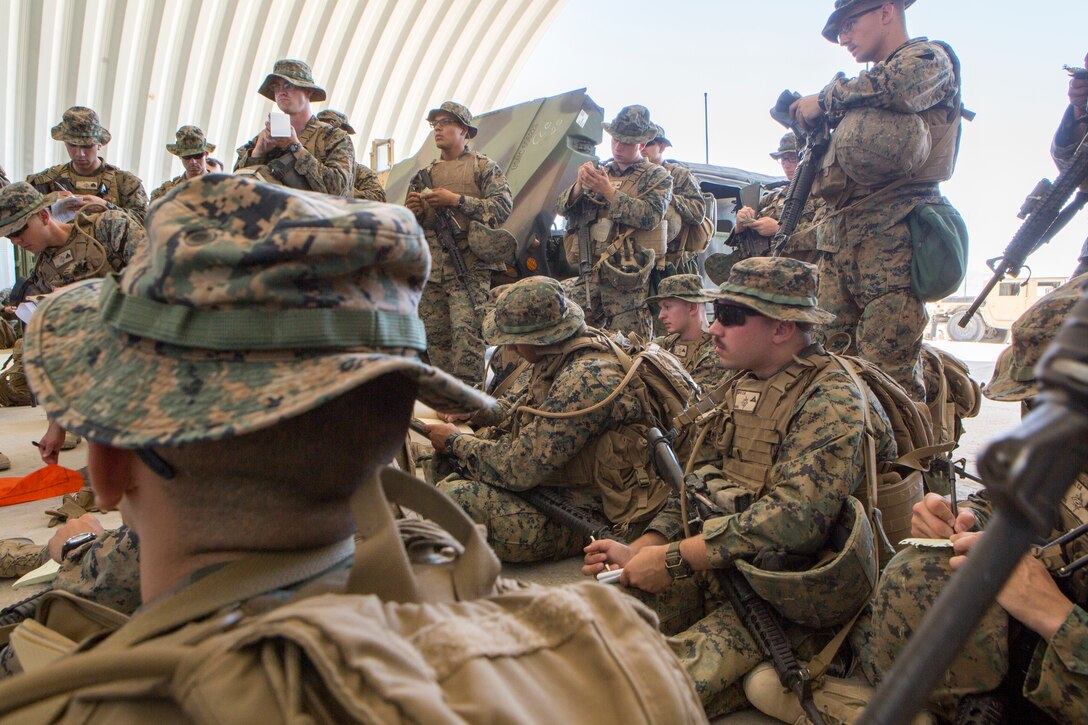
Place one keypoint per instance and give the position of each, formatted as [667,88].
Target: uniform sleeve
[1057,679]
[647,208]
[122,235]
[159,192]
[544,445]
[566,202]
[818,464]
[245,155]
[915,79]
[686,196]
[133,197]
[108,573]
[367,184]
[1067,138]
[496,201]
[335,174]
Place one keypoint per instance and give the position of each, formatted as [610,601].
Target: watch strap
[675,564]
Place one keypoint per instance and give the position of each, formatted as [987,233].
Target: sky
[743,54]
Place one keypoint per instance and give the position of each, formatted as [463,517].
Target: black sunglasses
[732,315]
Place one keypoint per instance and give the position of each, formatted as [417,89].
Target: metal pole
[706,125]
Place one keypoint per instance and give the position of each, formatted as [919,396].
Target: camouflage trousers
[611,309]
[452,324]
[517,530]
[865,283]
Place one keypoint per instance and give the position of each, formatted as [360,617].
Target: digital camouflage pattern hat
[533,311]
[686,287]
[251,304]
[632,125]
[659,136]
[336,119]
[777,287]
[18,202]
[461,113]
[80,126]
[1014,372]
[190,141]
[787,145]
[846,8]
[295,72]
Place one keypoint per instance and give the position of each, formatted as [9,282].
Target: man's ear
[783,330]
[111,471]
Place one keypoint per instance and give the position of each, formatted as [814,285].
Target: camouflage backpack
[951,395]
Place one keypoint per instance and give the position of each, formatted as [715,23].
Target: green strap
[265,329]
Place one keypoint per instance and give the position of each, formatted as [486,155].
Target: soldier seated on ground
[682,310]
[782,505]
[1028,653]
[588,460]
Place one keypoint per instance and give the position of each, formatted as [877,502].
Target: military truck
[541,144]
[1002,307]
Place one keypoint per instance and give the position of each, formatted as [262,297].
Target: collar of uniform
[912,41]
[101,170]
[614,168]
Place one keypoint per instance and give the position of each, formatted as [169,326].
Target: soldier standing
[682,300]
[687,206]
[623,203]
[466,188]
[367,185]
[87,177]
[193,149]
[1071,132]
[314,156]
[910,96]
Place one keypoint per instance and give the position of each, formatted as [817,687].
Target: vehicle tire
[974,332]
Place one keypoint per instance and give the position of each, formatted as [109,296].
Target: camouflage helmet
[190,141]
[1014,372]
[632,125]
[686,287]
[461,113]
[18,202]
[787,145]
[830,593]
[250,304]
[295,72]
[777,287]
[846,8]
[533,311]
[80,126]
[336,119]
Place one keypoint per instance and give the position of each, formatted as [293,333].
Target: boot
[19,556]
[5,462]
[71,440]
[72,506]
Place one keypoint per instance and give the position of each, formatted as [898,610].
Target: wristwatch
[74,542]
[675,564]
[293,148]
[461,202]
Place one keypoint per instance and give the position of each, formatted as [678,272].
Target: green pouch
[939,237]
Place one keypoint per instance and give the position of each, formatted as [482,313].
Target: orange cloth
[45,482]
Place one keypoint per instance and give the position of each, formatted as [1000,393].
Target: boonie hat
[686,287]
[336,119]
[777,287]
[461,113]
[17,202]
[1014,372]
[295,72]
[659,136]
[632,125]
[190,141]
[532,311]
[846,8]
[80,126]
[252,304]
[787,145]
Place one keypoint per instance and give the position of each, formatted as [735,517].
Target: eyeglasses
[282,86]
[193,157]
[440,122]
[847,26]
[733,315]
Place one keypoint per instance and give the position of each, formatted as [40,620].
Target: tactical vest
[458,176]
[103,184]
[82,256]
[314,142]
[686,351]
[1072,512]
[604,231]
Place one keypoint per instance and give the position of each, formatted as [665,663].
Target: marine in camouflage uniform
[693,345]
[93,245]
[785,499]
[1070,133]
[865,242]
[631,195]
[83,136]
[318,157]
[367,185]
[686,207]
[1031,664]
[4,180]
[590,460]
[192,147]
[477,191]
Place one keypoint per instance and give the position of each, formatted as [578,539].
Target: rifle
[553,505]
[812,153]
[1044,216]
[449,233]
[749,243]
[586,212]
[758,618]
